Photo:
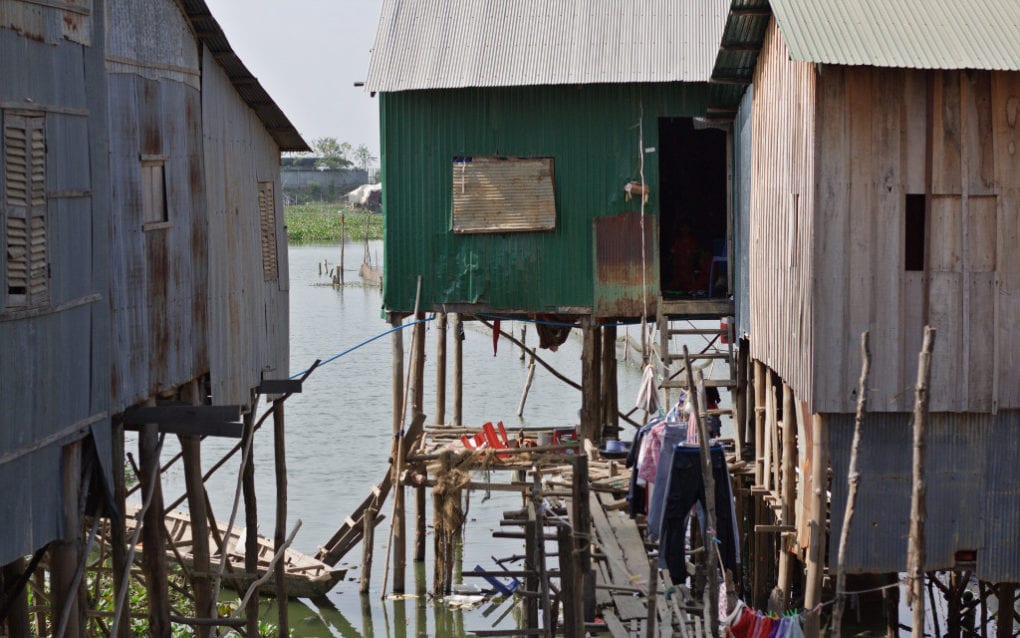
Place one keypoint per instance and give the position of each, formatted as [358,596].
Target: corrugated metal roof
[246,84]
[429,44]
[917,34]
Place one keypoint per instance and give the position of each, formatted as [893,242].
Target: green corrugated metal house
[510,134]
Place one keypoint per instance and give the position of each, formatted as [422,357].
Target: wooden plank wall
[782,196]
[248,316]
[950,135]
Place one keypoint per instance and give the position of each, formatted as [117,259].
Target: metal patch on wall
[621,290]
[503,194]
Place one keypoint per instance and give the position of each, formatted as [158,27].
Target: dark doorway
[692,222]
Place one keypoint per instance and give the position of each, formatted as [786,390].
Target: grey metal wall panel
[972,481]
[156,36]
[742,135]
[919,34]
[248,317]
[422,44]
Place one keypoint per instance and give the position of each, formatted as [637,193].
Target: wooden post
[441,368]
[572,612]
[853,479]
[153,539]
[118,536]
[590,383]
[816,547]
[1004,618]
[339,267]
[581,522]
[17,617]
[891,606]
[527,386]
[418,398]
[759,423]
[653,592]
[740,400]
[251,520]
[458,371]
[280,530]
[610,418]
[788,490]
[711,560]
[543,573]
[524,336]
[421,503]
[191,451]
[367,545]
[918,510]
[532,531]
[398,411]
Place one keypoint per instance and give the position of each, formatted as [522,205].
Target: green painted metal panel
[593,135]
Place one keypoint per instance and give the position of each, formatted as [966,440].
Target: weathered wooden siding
[159,278]
[883,134]
[248,316]
[781,201]
[54,374]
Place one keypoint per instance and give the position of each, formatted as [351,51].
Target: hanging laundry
[648,394]
[673,433]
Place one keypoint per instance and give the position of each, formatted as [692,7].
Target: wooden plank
[279,386]
[889,204]
[978,149]
[616,628]
[982,234]
[913,319]
[222,429]
[980,336]
[946,178]
[945,234]
[945,315]
[915,132]
[174,414]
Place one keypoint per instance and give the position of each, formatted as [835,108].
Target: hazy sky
[308,54]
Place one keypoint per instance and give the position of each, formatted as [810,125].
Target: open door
[620,289]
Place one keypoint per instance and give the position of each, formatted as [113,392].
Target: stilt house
[144,254]
[539,157]
[879,190]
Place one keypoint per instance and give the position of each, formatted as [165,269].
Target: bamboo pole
[527,387]
[711,565]
[280,530]
[340,266]
[458,370]
[441,368]
[918,513]
[853,479]
[759,423]
[788,490]
[816,547]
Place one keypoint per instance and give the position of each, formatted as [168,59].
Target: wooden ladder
[675,379]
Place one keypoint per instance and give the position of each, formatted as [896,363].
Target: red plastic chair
[476,442]
[496,440]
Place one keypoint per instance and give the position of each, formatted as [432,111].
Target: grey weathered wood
[441,368]
[759,423]
[368,545]
[223,429]
[853,480]
[610,420]
[591,366]
[154,555]
[458,371]
[191,447]
[182,414]
[279,386]
[918,512]
[251,521]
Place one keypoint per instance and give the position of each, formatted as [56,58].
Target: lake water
[338,442]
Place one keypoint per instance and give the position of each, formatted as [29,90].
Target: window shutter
[25,210]
[267,221]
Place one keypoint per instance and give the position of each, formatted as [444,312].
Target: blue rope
[365,343]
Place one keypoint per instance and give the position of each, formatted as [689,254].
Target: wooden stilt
[572,611]
[280,529]
[421,503]
[441,368]
[853,479]
[653,592]
[18,623]
[367,545]
[458,370]
[532,536]
[740,400]
[918,512]
[397,523]
[816,548]
[340,266]
[891,605]
[581,523]
[118,535]
[1007,601]
[759,423]
[590,383]
[610,396]
[251,521]
[191,451]
[788,490]
[153,539]
[769,452]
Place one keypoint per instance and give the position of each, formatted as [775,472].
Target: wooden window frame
[27,213]
[155,207]
[267,231]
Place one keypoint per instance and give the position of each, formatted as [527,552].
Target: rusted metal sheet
[973,484]
[49,20]
[622,287]
[503,194]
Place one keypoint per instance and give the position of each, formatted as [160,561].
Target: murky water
[338,443]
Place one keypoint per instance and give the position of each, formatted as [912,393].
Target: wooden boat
[306,577]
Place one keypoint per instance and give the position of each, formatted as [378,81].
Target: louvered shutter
[267,221]
[25,210]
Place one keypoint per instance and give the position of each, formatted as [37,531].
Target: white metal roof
[922,34]
[425,44]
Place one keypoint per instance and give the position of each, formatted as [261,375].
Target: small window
[503,194]
[913,236]
[267,221]
[154,209]
[24,206]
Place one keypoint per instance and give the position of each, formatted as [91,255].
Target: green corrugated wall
[592,133]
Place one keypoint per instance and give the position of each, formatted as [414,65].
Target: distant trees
[333,155]
[364,157]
